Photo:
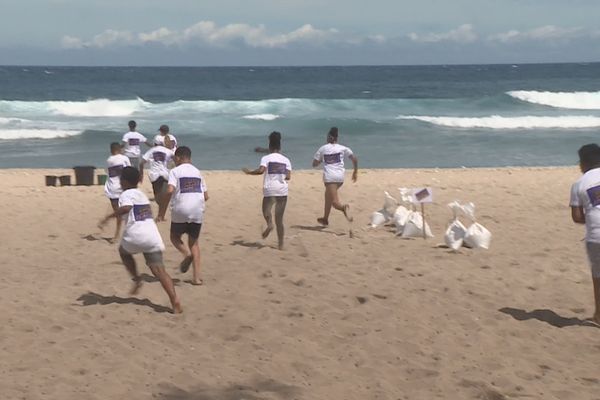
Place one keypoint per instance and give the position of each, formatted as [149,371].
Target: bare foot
[267,231]
[177,309]
[323,221]
[346,212]
[280,247]
[199,282]
[596,318]
[185,264]
[137,285]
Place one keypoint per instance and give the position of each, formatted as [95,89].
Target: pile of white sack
[408,222]
[402,214]
[457,235]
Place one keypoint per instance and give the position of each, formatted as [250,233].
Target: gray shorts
[154,259]
[593,252]
[135,162]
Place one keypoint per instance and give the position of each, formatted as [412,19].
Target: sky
[297,32]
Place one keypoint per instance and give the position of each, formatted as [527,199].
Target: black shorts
[191,228]
[159,186]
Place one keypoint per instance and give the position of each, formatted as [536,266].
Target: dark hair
[164,128]
[114,146]
[130,175]
[275,141]
[183,152]
[589,156]
[132,124]
[332,135]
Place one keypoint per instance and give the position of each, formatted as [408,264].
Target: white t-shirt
[160,140]
[332,156]
[158,157]
[586,193]
[187,203]
[132,142]
[141,233]
[276,168]
[114,166]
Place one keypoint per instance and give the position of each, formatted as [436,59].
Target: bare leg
[183,249]
[115,206]
[328,203]
[279,210]
[167,284]
[195,248]
[267,206]
[129,263]
[596,316]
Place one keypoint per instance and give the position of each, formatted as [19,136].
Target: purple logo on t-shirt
[134,142]
[190,185]
[276,168]
[332,158]
[159,156]
[142,212]
[594,195]
[115,171]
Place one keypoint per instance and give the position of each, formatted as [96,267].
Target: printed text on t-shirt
[142,212]
[332,158]
[276,168]
[134,142]
[190,185]
[159,156]
[594,195]
[115,171]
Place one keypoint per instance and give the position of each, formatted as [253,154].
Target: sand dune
[332,317]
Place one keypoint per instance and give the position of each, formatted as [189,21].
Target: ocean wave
[499,122]
[90,108]
[570,100]
[13,134]
[12,121]
[262,117]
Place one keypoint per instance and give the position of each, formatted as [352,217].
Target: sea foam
[499,122]
[570,100]
[14,134]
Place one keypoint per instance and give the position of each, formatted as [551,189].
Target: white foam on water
[97,108]
[498,122]
[262,117]
[13,134]
[569,100]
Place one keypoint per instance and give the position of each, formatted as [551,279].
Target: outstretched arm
[355,164]
[259,171]
[117,214]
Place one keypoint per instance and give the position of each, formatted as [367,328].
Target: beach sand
[331,317]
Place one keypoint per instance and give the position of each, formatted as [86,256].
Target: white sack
[414,226]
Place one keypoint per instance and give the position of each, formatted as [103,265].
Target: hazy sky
[297,32]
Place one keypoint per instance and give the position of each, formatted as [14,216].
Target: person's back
[131,144]
[141,233]
[277,167]
[158,158]
[114,165]
[332,156]
[187,204]
[586,193]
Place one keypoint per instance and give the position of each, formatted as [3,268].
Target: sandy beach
[331,317]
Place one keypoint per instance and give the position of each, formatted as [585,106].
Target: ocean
[391,116]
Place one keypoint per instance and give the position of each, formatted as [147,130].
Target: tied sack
[400,218]
[455,234]
[377,219]
[414,226]
[389,205]
[477,236]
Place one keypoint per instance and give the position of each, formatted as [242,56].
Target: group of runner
[185,189]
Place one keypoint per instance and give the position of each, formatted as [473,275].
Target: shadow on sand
[91,298]
[547,316]
[256,390]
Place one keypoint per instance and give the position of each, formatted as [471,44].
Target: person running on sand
[187,189]
[277,170]
[131,144]
[164,136]
[585,209]
[112,188]
[158,157]
[332,156]
[141,236]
